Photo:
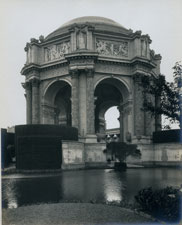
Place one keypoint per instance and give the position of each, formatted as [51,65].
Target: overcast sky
[21,20]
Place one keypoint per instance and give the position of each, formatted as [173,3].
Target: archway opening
[57,103]
[111,118]
[110,94]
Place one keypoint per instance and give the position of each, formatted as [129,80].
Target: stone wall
[72,155]
[76,155]
[166,154]
[94,153]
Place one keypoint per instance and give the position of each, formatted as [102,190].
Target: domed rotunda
[86,66]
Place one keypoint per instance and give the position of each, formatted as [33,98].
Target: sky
[21,20]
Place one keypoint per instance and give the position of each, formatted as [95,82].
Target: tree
[178,85]
[162,97]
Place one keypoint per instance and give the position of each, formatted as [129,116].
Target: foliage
[122,150]
[162,97]
[163,204]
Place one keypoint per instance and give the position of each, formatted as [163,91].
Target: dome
[92,20]
[100,23]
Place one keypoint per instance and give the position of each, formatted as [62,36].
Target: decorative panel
[112,48]
[54,52]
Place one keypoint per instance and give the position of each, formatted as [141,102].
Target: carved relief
[56,51]
[144,48]
[81,39]
[28,49]
[112,48]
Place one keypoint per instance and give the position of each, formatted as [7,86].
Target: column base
[140,139]
[90,138]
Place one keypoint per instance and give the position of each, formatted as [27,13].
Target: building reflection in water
[113,187]
[86,186]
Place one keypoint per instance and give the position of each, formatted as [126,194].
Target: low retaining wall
[77,155]
[73,155]
[161,154]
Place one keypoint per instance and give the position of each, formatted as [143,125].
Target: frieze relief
[56,51]
[111,48]
[54,73]
[112,69]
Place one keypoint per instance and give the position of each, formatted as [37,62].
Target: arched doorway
[57,103]
[108,93]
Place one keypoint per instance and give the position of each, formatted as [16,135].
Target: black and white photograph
[91,112]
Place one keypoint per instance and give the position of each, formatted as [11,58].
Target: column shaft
[120,108]
[35,101]
[82,104]
[28,90]
[139,123]
[90,103]
[28,103]
[74,98]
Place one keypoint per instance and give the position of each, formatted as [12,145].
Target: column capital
[26,85]
[35,82]
[90,72]
[137,77]
[74,73]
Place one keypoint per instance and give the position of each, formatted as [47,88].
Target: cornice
[65,36]
[27,69]
[86,55]
[82,54]
[128,62]
[142,61]
[31,67]
[82,60]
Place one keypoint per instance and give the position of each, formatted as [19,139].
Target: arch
[53,81]
[57,103]
[110,91]
[52,89]
[122,86]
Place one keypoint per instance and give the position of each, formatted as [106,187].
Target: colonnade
[132,118]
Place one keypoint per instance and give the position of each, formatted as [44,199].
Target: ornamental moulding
[111,48]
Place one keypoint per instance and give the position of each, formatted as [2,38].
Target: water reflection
[113,186]
[86,186]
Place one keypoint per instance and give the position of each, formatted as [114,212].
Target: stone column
[28,89]
[139,125]
[35,101]
[82,103]
[157,118]
[120,108]
[130,119]
[90,103]
[74,99]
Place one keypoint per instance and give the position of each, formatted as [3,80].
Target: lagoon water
[85,185]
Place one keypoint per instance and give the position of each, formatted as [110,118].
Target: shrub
[164,204]
[166,136]
[121,150]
